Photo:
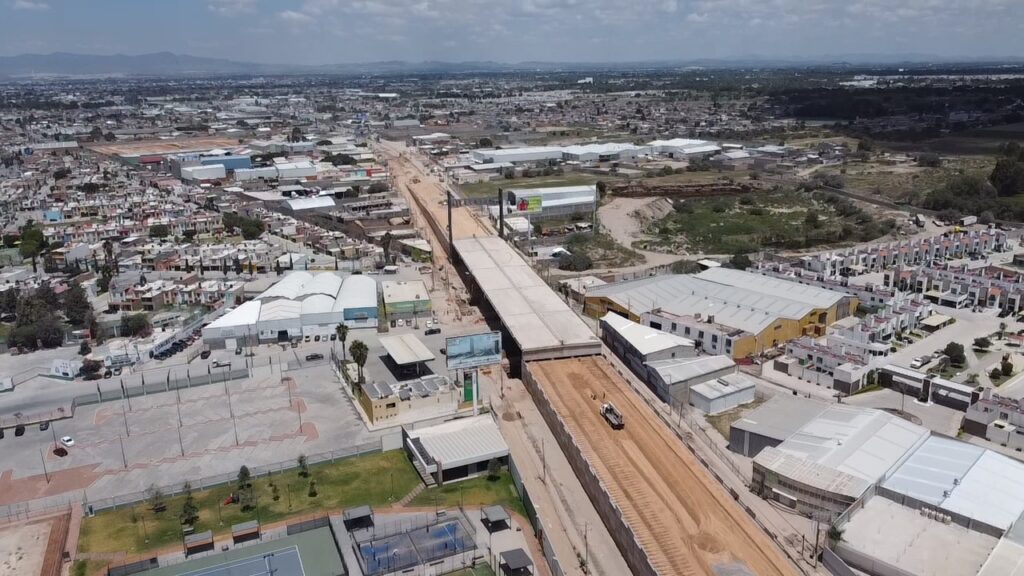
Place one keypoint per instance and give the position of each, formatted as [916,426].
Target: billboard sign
[530,205]
[473,350]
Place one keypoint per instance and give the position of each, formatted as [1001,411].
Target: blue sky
[334,31]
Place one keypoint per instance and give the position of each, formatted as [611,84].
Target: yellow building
[731,312]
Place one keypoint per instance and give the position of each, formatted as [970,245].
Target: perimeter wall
[623,535]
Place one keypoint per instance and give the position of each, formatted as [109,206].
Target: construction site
[662,508]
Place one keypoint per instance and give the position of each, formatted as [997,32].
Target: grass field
[729,225]
[603,250]
[908,184]
[375,479]
[486,189]
[473,492]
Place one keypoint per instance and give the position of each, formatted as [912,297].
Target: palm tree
[342,331]
[359,353]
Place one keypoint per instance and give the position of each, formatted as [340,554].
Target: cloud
[293,17]
[229,7]
[30,5]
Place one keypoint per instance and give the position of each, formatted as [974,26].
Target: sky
[344,31]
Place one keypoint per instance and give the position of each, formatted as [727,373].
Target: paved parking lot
[120,450]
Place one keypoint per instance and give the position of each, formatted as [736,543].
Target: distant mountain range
[169,64]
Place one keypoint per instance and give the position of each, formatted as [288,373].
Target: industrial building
[725,311]
[830,457]
[949,508]
[637,344]
[300,304]
[428,397]
[723,393]
[455,450]
[556,203]
[672,379]
[536,323]
[405,299]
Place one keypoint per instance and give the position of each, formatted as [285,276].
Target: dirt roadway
[617,219]
[431,194]
[686,524]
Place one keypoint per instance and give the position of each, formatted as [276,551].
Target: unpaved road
[687,524]
[616,217]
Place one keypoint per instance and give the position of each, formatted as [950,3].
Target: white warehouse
[301,304]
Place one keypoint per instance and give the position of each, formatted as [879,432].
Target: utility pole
[43,459]
[125,416]
[180,443]
[124,458]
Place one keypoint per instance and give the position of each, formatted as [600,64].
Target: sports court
[415,547]
[312,553]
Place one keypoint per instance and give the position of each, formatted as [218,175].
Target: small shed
[721,394]
[406,352]
[196,543]
[245,531]
[494,518]
[515,562]
[358,518]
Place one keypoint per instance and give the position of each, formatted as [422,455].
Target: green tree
[485,142]
[159,231]
[136,325]
[342,331]
[1006,365]
[33,243]
[740,261]
[155,498]
[84,349]
[1008,177]
[303,466]
[982,343]
[1002,330]
[359,353]
[189,511]
[955,352]
[493,469]
[76,305]
[996,373]
[9,301]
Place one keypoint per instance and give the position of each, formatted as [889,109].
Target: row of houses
[915,252]
[961,286]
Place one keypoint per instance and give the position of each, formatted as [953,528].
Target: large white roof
[770,286]
[280,310]
[289,287]
[963,479]
[357,291]
[317,304]
[245,315]
[463,441]
[863,442]
[406,349]
[676,370]
[645,339]
[311,203]
[324,283]
[531,311]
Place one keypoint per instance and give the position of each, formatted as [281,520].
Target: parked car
[205,354]
[67,441]
[430,331]
[238,351]
[316,338]
[108,373]
[306,339]
[19,430]
[334,337]
[117,371]
[44,425]
[219,364]
[311,357]
[295,343]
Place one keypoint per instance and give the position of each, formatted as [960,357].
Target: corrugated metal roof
[724,386]
[677,370]
[645,339]
[357,291]
[289,287]
[770,286]
[463,441]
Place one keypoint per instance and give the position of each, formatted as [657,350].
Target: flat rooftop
[158,147]
[535,316]
[780,417]
[920,545]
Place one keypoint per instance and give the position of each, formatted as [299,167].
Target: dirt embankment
[642,190]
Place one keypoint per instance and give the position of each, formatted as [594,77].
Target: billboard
[530,205]
[473,350]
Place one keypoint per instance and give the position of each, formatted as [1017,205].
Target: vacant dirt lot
[23,548]
[686,523]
